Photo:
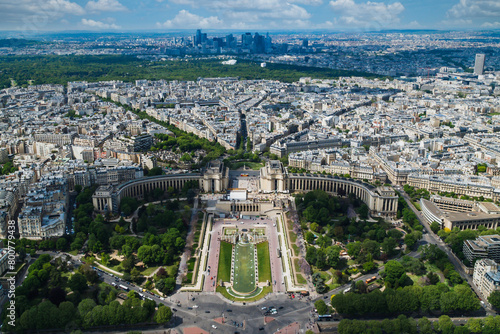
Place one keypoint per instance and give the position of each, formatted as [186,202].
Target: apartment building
[484,247]
[451,213]
[486,276]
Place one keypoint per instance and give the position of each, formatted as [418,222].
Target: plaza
[252,264]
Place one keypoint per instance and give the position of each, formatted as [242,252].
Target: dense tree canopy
[408,299]
[61,69]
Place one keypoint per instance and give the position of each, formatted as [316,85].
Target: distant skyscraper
[268,42]
[246,40]
[479,65]
[305,43]
[230,41]
[258,43]
[197,39]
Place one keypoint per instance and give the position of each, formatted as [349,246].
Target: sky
[32,16]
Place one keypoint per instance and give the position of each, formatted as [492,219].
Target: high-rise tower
[479,65]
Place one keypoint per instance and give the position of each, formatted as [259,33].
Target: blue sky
[254,15]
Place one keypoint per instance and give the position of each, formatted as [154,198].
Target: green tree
[321,307]
[61,243]
[466,298]
[186,157]
[315,227]
[321,258]
[389,246]
[163,315]
[363,211]
[166,285]
[311,255]
[445,325]
[333,256]
[425,326]
[353,249]
[361,286]
[435,227]
[410,240]
[491,325]
[475,325]
[494,299]
[85,307]
[395,275]
[370,247]
[433,278]
[77,282]
[129,263]
[128,205]
[67,313]
[309,237]
[368,266]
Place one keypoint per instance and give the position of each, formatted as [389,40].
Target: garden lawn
[252,165]
[224,271]
[301,279]
[296,250]
[148,271]
[264,262]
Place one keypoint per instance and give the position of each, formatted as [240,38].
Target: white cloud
[257,13]
[473,14]
[413,25]
[469,9]
[27,7]
[491,25]
[66,7]
[191,3]
[105,6]
[187,20]
[98,24]
[29,15]
[308,2]
[370,15]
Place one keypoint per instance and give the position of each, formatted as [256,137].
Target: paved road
[200,309]
[213,256]
[276,266]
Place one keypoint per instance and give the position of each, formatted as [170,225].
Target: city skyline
[336,15]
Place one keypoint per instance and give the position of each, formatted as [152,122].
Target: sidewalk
[189,242]
[202,259]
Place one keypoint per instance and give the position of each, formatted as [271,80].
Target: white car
[195,306]
[214,327]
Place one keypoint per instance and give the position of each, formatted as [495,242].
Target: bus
[325,317]
[123,287]
[368,281]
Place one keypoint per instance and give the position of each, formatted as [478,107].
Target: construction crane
[425,68]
